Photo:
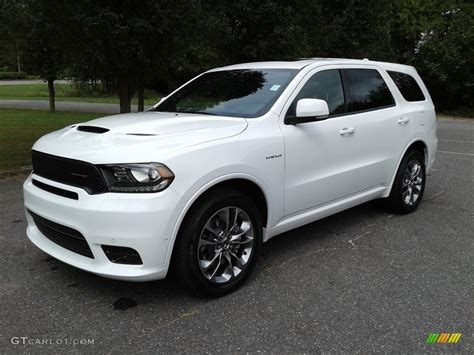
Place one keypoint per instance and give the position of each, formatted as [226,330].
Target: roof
[301,63]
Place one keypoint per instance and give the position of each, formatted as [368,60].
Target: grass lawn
[64,92]
[19,129]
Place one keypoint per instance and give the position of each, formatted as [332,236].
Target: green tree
[13,27]
[128,44]
[355,29]
[445,56]
[437,37]
[111,44]
[264,30]
[45,41]
[276,30]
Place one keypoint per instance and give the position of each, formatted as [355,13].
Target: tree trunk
[141,99]
[18,57]
[52,103]
[124,96]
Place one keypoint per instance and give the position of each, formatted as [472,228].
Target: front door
[319,156]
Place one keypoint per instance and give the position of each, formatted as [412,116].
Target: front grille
[63,236]
[69,171]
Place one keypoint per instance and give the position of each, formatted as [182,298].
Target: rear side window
[325,85]
[368,90]
[407,85]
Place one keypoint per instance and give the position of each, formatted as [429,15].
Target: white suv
[229,160]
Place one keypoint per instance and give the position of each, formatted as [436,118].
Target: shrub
[12,75]
[88,89]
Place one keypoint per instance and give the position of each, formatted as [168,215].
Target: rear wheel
[218,243]
[409,185]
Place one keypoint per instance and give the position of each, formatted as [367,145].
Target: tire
[409,185]
[204,250]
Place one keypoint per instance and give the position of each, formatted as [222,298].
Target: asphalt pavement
[70,106]
[361,281]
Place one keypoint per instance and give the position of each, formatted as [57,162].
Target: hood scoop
[92,129]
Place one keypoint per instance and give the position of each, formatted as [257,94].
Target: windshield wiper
[198,112]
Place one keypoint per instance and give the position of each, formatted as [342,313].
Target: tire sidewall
[397,192]
[191,233]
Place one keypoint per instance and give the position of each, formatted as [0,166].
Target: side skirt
[320,212]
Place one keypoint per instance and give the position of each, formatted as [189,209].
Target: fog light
[122,255]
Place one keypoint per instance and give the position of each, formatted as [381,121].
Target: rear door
[383,126]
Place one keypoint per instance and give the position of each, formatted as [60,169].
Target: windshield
[244,93]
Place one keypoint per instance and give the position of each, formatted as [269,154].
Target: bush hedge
[12,75]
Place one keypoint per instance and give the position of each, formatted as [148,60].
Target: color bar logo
[443,338]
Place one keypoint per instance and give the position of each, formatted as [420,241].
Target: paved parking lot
[361,281]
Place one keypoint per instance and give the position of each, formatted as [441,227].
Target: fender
[427,154]
[202,190]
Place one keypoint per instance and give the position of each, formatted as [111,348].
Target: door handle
[346,131]
[403,120]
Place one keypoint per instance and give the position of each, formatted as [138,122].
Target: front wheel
[218,243]
[409,185]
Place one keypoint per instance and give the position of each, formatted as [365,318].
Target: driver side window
[324,85]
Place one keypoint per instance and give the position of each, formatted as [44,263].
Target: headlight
[146,177]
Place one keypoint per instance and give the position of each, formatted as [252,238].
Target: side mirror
[309,110]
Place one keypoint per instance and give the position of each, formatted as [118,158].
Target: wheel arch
[244,183]
[245,186]
[417,144]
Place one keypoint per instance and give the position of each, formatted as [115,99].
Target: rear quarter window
[407,86]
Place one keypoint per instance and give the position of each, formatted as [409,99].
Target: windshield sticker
[275,87]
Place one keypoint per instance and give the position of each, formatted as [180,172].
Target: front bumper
[143,222]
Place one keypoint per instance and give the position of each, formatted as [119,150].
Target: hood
[137,137]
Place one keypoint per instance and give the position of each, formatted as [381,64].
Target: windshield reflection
[237,93]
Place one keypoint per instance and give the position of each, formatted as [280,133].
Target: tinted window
[368,90]
[236,93]
[408,86]
[325,85]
